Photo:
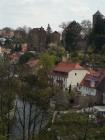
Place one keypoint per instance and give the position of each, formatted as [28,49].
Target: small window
[75,74]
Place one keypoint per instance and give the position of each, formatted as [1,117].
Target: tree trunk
[29,123]
[8,123]
[24,120]
[41,121]
[34,123]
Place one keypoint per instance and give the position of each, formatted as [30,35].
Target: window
[77,84]
[75,74]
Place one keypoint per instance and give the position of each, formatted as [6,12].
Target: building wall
[101,90]
[96,19]
[37,38]
[88,91]
[85,101]
[99,97]
[60,81]
[55,37]
[7,33]
[95,96]
[75,77]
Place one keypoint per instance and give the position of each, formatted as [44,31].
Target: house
[37,39]
[90,86]
[68,75]
[55,37]
[7,33]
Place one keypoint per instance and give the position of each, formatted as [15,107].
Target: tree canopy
[72,34]
[47,61]
[25,57]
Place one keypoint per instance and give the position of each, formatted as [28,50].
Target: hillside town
[52,84]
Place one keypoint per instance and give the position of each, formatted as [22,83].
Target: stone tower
[97,17]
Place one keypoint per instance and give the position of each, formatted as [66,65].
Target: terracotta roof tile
[66,67]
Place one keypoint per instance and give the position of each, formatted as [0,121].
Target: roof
[66,67]
[98,13]
[92,80]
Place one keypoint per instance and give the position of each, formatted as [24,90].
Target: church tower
[97,17]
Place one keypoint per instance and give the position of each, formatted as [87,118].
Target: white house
[68,74]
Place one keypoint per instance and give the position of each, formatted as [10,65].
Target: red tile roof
[66,67]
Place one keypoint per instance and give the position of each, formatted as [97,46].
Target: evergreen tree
[49,31]
[71,35]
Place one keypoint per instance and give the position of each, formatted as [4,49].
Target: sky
[37,13]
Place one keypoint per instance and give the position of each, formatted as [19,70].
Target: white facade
[73,78]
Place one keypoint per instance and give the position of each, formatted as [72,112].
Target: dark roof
[96,78]
[98,13]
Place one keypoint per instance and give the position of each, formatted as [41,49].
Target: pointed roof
[96,77]
[98,13]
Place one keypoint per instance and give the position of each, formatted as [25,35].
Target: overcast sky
[36,13]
